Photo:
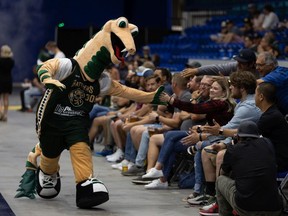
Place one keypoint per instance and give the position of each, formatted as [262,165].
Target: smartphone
[210,151]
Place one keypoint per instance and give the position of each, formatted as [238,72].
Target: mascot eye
[122,23]
[134,32]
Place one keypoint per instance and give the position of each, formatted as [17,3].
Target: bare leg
[6,104]
[155,144]
[118,134]
[209,166]
[219,160]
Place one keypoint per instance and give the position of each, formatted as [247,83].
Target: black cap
[248,129]
[245,56]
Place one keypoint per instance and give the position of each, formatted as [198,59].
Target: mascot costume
[62,118]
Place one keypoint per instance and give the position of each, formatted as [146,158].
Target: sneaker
[134,170]
[48,186]
[153,173]
[118,151]
[191,196]
[199,200]
[156,184]
[104,152]
[119,165]
[118,155]
[211,209]
[141,180]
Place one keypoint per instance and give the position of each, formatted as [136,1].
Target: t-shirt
[253,166]
[279,78]
[272,125]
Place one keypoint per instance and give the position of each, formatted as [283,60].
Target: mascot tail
[27,186]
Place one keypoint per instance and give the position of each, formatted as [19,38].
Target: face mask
[51,53]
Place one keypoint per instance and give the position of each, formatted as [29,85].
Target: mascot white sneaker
[62,117]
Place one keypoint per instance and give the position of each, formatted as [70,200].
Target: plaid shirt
[214,109]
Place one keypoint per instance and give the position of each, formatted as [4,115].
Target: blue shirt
[279,78]
[244,111]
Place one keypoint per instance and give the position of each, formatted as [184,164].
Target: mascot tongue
[118,54]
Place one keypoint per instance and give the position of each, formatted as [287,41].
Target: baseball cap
[143,71]
[194,64]
[248,129]
[245,56]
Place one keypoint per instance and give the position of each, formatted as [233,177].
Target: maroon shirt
[214,109]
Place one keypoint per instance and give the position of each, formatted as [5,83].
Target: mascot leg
[117,89]
[48,178]
[28,182]
[89,191]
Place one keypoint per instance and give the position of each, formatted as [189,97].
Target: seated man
[249,185]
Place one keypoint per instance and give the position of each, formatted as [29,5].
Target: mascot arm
[117,89]
[54,70]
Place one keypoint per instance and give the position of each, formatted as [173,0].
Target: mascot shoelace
[62,117]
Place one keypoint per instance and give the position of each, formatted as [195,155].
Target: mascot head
[112,43]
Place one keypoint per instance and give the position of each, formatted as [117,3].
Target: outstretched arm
[120,90]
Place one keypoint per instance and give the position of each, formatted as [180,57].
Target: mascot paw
[27,185]
[48,186]
[156,99]
[91,192]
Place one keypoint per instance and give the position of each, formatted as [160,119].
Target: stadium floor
[17,137]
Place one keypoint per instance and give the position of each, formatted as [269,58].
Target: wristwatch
[221,131]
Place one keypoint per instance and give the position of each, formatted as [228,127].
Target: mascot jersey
[68,109]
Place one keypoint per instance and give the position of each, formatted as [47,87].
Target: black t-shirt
[253,166]
[273,125]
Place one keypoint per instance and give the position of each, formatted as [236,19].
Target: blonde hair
[223,82]
[6,52]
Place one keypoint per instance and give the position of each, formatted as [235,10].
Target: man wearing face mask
[53,49]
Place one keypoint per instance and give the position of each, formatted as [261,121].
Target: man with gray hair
[267,66]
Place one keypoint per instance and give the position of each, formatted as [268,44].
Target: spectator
[272,123]
[267,65]
[53,49]
[36,89]
[271,19]
[245,61]
[6,66]
[255,16]
[145,56]
[165,77]
[248,181]
[249,43]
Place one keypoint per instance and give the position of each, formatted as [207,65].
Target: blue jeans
[170,147]
[130,151]
[143,149]
[144,145]
[199,173]
[98,110]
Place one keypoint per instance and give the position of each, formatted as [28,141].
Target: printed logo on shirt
[76,97]
[67,111]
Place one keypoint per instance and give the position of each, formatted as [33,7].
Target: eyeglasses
[206,85]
